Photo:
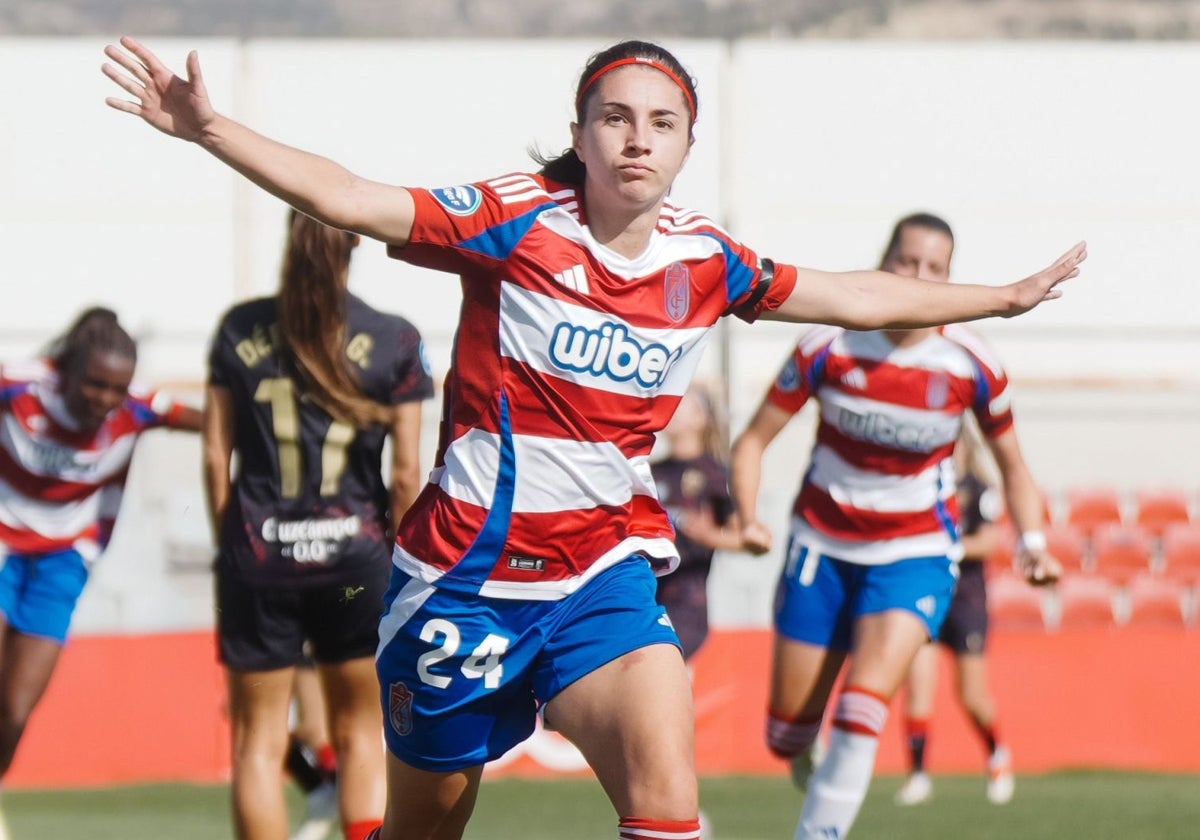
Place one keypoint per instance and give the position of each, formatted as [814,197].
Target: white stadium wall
[807,150]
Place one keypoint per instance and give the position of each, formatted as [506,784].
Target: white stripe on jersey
[877,492]
[934,353]
[54,520]
[596,349]
[876,552]
[553,475]
[548,590]
[661,252]
[974,344]
[47,459]
[516,189]
[887,424]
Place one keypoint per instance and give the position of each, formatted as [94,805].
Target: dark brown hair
[312,320]
[95,330]
[921,220]
[567,168]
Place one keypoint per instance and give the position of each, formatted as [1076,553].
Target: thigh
[632,719]
[884,646]
[802,678]
[258,711]
[351,690]
[258,629]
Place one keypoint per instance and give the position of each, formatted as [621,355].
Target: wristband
[1032,541]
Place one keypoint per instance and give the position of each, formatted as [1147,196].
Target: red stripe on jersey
[22,541]
[849,523]
[878,458]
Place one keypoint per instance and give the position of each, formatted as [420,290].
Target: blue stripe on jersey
[983,393]
[142,412]
[13,390]
[738,275]
[499,241]
[816,370]
[477,563]
[943,511]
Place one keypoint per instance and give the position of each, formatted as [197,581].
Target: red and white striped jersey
[880,484]
[60,487]
[569,358]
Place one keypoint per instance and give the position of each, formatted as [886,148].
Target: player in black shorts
[693,485]
[965,634]
[306,387]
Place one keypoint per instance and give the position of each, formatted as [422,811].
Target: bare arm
[406,458]
[868,300]
[187,419]
[703,529]
[1025,508]
[217,439]
[312,184]
[746,473]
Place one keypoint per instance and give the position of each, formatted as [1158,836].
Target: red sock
[327,759]
[637,828]
[364,830]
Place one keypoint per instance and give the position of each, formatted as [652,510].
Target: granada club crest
[937,391]
[677,291]
[400,701]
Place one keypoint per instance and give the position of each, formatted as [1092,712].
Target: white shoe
[804,763]
[320,816]
[4,835]
[1000,777]
[706,829]
[917,788]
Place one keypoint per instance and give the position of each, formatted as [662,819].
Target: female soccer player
[524,572]
[70,422]
[305,387]
[871,562]
[964,633]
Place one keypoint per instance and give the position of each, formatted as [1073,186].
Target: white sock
[840,782]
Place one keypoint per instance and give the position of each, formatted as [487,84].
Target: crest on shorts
[937,390]
[677,291]
[400,701]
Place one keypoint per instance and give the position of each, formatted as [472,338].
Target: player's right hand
[172,105]
[756,538]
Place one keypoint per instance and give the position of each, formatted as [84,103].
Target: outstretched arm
[312,184]
[870,300]
[745,475]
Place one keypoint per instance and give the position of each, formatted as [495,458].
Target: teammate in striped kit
[524,574]
[871,562]
[69,425]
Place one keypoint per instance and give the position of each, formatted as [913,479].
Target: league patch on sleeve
[789,378]
[461,201]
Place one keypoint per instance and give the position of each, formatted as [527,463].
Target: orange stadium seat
[1161,506]
[1181,553]
[1090,507]
[1120,552]
[1068,544]
[1157,602]
[1085,600]
[1013,604]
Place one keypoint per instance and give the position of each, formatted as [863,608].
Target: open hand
[172,105]
[1036,288]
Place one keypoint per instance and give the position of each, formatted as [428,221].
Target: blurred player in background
[693,485]
[310,759]
[70,422]
[524,574]
[871,561]
[964,633]
[306,387]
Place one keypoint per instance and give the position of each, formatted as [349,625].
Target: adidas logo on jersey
[610,351]
[855,378]
[574,278]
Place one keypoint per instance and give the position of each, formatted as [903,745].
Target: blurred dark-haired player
[70,421]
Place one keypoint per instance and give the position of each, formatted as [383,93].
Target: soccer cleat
[1000,777]
[917,788]
[320,815]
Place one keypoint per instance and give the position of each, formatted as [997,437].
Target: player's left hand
[1028,293]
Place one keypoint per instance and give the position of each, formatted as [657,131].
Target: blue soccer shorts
[38,592]
[819,597]
[462,676]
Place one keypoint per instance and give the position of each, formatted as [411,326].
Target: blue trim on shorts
[38,592]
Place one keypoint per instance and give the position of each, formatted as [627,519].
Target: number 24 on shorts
[484,661]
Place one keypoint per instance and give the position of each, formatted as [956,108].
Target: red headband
[649,62]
